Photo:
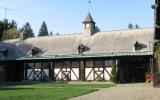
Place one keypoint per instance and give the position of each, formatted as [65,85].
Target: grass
[46,91]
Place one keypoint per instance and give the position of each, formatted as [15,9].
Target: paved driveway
[139,91]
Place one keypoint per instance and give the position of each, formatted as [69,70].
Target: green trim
[39,57]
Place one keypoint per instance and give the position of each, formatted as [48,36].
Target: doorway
[132,70]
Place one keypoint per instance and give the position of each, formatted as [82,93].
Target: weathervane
[89,2]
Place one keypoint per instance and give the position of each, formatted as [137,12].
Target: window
[137,46]
[98,63]
[35,51]
[89,63]
[81,48]
[4,52]
[108,63]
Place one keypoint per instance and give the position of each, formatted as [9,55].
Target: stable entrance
[132,70]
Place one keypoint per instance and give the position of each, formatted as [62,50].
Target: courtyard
[47,91]
[135,91]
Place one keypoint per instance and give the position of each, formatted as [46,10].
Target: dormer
[4,51]
[35,51]
[81,48]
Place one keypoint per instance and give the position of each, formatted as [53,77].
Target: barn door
[98,70]
[66,70]
[37,71]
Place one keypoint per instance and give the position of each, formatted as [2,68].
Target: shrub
[113,76]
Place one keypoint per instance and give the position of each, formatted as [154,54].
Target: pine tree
[136,26]
[51,33]
[27,30]
[57,33]
[6,25]
[43,30]
[130,26]
[97,29]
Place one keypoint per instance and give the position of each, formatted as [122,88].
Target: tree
[130,26]
[136,26]
[27,30]
[51,33]
[11,33]
[57,33]
[43,30]
[97,29]
[5,25]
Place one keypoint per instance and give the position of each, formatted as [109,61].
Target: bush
[113,76]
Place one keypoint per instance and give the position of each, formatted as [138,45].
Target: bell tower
[88,26]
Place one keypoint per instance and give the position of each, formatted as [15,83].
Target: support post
[52,71]
[82,70]
[25,70]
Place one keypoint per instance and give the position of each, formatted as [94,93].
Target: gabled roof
[12,51]
[111,43]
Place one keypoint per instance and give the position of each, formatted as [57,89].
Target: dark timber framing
[82,69]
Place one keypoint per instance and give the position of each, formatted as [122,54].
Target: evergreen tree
[5,25]
[43,30]
[11,33]
[136,26]
[51,33]
[130,26]
[97,29]
[27,30]
[57,33]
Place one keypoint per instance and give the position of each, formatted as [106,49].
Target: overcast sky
[66,16]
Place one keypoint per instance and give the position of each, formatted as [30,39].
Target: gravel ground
[139,91]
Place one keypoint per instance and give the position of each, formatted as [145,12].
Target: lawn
[46,91]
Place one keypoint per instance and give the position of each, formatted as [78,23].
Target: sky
[66,16]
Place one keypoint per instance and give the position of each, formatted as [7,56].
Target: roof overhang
[80,56]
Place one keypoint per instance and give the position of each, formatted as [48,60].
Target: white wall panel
[87,71]
[76,71]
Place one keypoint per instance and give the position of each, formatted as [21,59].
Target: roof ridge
[128,29]
[50,36]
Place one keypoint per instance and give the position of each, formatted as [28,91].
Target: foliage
[43,30]
[97,29]
[57,33]
[27,30]
[130,26]
[5,25]
[46,91]
[11,33]
[136,26]
[113,76]
[51,33]
[157,51]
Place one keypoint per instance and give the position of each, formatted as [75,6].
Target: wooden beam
[93,69]
[52,66]
[82,70]
[103,69]
[70,64]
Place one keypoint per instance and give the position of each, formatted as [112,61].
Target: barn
[86,56]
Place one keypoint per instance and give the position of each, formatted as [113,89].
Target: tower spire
[88,18]
[89,25]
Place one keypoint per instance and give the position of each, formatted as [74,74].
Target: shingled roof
[12,51]
[110,43]
[88,19]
